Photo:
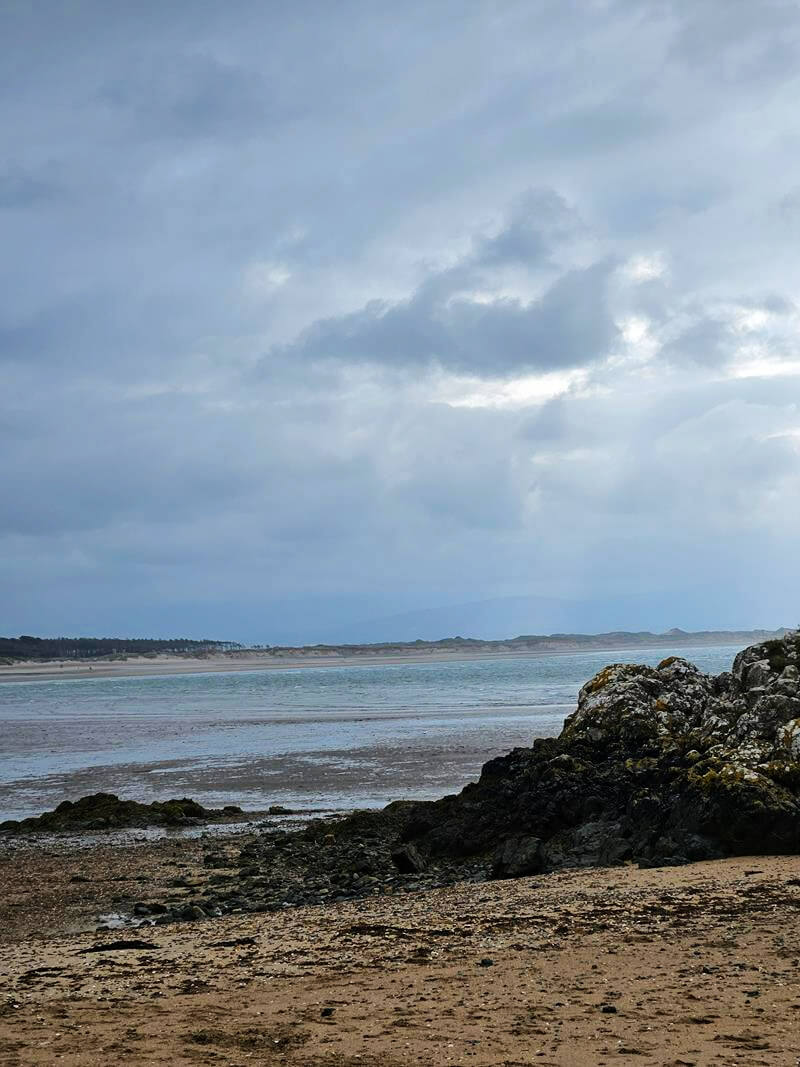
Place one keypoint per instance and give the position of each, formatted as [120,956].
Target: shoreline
[169,666]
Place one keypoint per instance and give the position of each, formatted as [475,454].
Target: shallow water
[328,737]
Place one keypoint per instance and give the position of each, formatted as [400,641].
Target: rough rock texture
[657,765]
[105,811]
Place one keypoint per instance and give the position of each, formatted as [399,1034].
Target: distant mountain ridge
[506,617]
[615,639]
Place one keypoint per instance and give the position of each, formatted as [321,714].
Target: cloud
[311,314]
[20,189]
[461,318]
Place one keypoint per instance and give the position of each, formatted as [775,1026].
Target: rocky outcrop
[657,765]
[105,811]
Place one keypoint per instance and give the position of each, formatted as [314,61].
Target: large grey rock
[656,764]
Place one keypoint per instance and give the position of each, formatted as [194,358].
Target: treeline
[27,647]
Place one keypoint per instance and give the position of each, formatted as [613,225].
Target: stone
[518,856]
[408,860]
[657,765]
[106,811]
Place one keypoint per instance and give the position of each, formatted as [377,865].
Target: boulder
[518,856]
[656,765]
[408,859]
[106,811]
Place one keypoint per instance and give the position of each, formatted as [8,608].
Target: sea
[311,739]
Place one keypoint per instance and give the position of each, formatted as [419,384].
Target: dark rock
[408,860]
[278,809]
[608,1009]
[105,811]
[192,911]
[518,856]
[657,765]
[118,946]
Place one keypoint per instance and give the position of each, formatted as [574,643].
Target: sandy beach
[146,666]
[692,965]
[142,667]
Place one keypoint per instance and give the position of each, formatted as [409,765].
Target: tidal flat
[335,737]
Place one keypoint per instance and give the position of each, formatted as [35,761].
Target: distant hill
[506,617]
[564,642]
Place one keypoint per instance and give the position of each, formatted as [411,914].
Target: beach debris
[119,946]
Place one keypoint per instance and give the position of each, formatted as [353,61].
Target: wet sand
[692,965]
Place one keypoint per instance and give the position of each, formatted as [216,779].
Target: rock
[408,859]
[192,911]
[106,811]
[278,809]
[658,765]
[608,1009]
[518,856]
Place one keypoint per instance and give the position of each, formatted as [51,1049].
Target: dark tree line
[27,647]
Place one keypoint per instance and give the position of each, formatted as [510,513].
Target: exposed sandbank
[135,667]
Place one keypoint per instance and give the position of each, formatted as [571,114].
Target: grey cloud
[20,189]
[569,325]
[747,42]
[161,159]
[707,341]
[198,96]
[538,222]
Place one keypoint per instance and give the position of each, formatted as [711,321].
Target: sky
[316,316]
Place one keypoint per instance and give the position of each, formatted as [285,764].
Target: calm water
[334,737]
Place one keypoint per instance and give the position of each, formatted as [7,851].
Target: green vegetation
[45,648]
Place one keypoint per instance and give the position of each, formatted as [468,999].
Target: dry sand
[163,664]
[141,666]
[693,965]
